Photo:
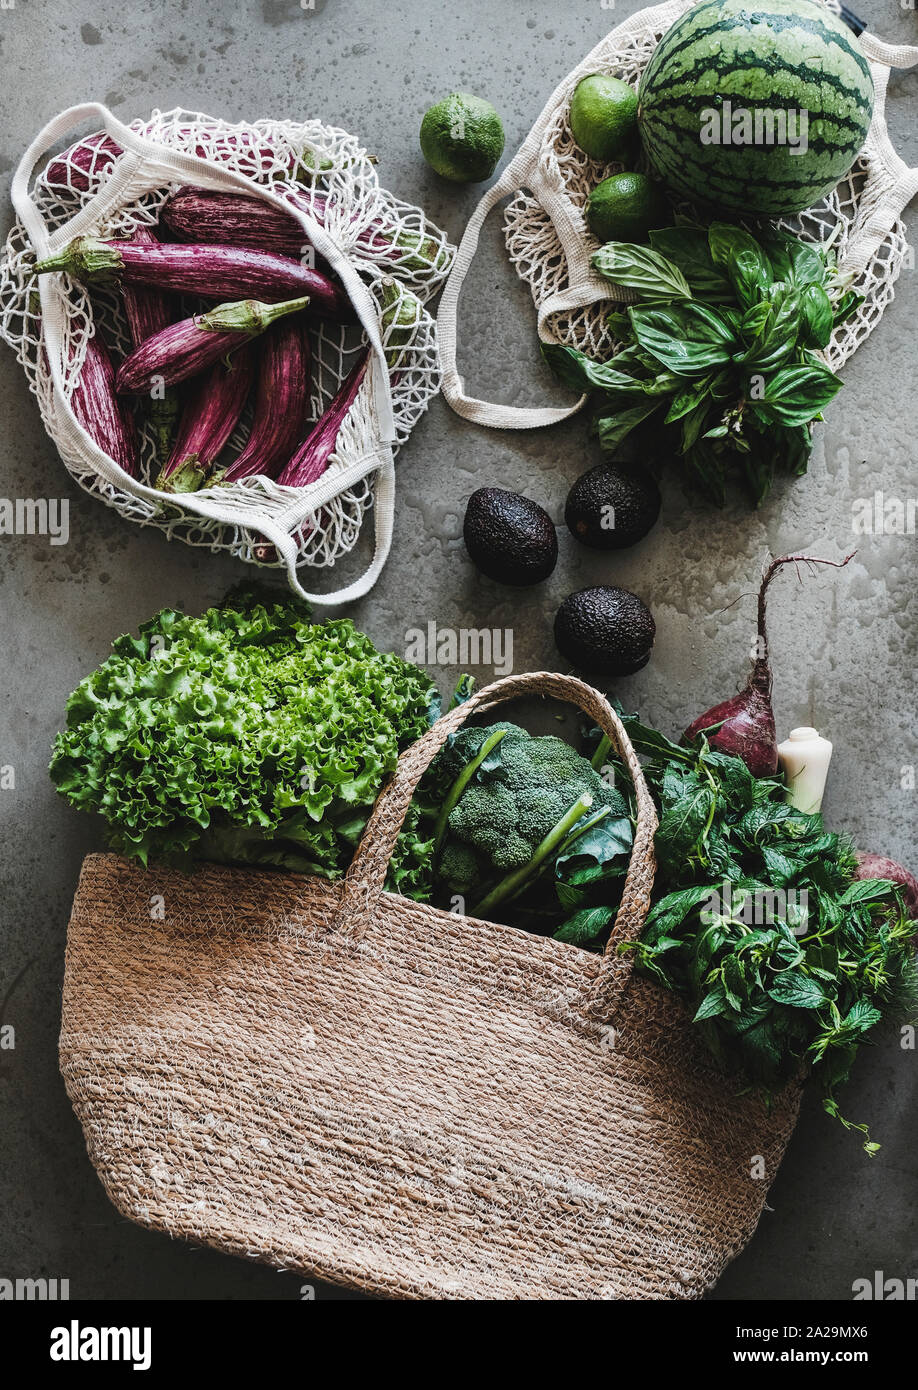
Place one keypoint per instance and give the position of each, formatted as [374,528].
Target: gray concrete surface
[844,645]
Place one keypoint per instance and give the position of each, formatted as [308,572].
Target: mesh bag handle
[365,879]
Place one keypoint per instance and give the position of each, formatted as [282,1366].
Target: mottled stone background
[844,644]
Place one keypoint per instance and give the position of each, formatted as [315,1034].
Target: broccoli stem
[603,749]
[575,835]
[460,784]
[514,882]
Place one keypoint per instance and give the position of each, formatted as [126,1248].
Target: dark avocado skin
[636,501]
[605,630]
[510,538]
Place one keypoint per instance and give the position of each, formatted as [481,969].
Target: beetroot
[879,866]
[747,720]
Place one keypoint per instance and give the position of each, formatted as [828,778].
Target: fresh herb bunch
[784,959]
[720,350]
[246,735]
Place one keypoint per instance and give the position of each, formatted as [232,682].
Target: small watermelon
[730,80]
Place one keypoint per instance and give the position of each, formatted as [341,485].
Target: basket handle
[365,879]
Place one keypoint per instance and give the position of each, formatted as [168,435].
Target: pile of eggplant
[245,258]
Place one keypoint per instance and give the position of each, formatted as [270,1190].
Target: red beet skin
[747,720]
[281,402]
[879,866]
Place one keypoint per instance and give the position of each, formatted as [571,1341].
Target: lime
[626,207]
[462,138]
[604,117]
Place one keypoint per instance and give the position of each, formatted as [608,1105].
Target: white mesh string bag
[550,244]
[116,180]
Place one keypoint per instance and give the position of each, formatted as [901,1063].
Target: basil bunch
[720,350]
[784,959]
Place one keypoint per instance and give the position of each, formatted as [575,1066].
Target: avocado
[510,538]
[606,630]
[611,507]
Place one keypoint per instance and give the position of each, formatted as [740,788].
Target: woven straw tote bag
[116,181]
[550,245]
[333,1079]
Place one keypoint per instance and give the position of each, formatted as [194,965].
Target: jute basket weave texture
[333,1079]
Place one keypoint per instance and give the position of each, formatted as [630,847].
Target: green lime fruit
[604,117]
[462,138]
[626,207]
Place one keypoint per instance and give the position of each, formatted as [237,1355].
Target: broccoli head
[515,798]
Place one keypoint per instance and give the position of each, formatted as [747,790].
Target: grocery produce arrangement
[237,359]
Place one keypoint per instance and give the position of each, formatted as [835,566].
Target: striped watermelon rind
[784,54]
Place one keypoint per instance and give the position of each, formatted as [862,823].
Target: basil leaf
[693,423]
[758,472]
[682,824]
[585,926]
[612,430]
[798,262]
[798,990]
[775,324]
[708,468]
[792,444]
[639,268]
[688,399]
[747,266]
[688,249]
[581,373]
[688,338]
[818,319]
[846,306]
[796,395]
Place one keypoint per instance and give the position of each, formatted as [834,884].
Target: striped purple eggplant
[187,347]
[147,311]
[281,402]
[236,219]
[213,272]
[146,307]
[105,419]
[76,166]
[311,458]
[212,410]
[97,153]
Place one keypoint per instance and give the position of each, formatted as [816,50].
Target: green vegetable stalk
[514,883]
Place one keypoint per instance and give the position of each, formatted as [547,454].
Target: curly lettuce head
[249,734]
